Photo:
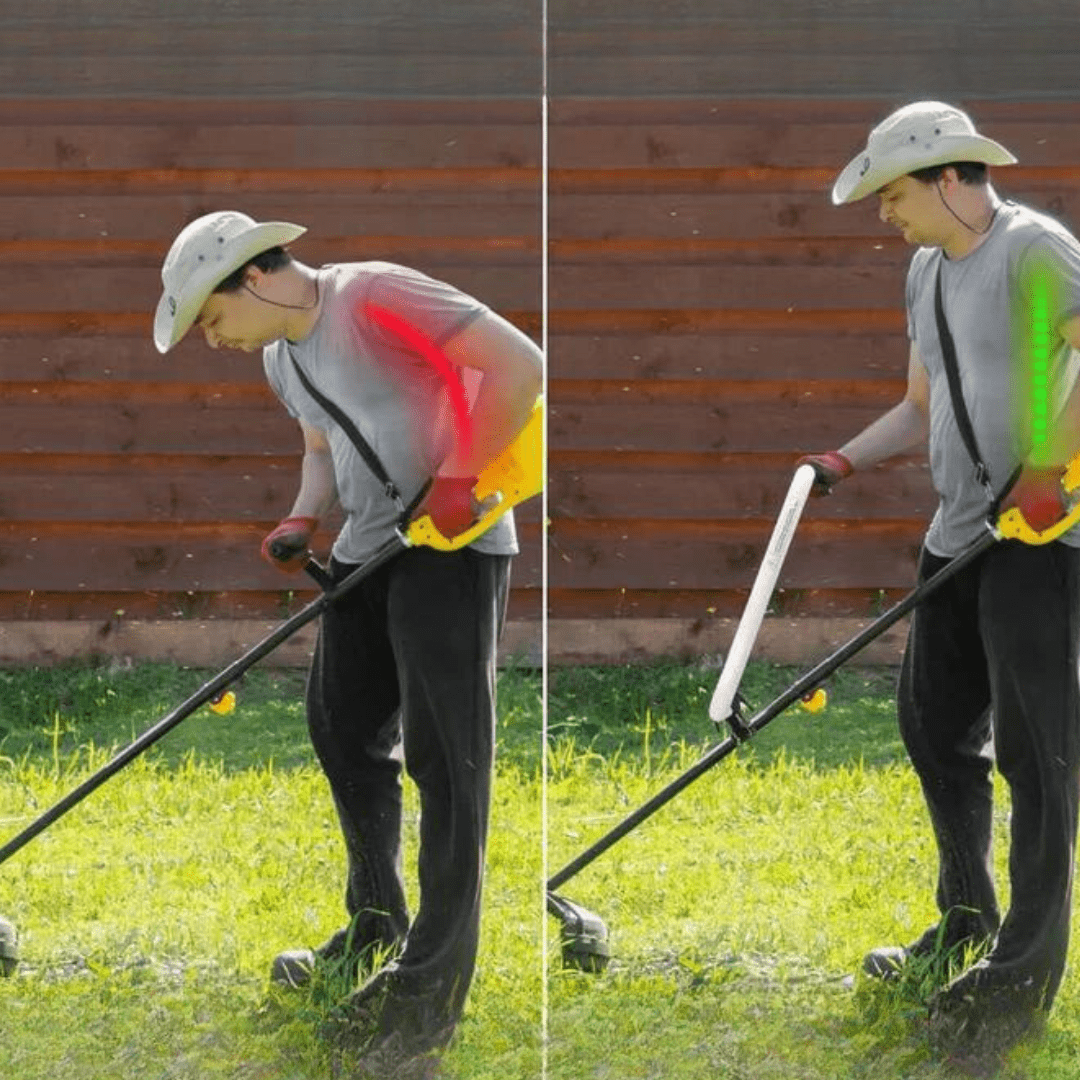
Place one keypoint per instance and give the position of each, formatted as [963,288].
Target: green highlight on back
[1039,367]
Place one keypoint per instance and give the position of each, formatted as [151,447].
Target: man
[406,659]
[993,653]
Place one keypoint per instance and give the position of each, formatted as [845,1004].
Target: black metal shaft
[793,693]
[206,693]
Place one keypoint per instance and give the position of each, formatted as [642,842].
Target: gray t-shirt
[1004,303]
[397,400]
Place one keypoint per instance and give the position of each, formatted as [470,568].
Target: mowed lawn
[738,914]
[741,911]
[150,914]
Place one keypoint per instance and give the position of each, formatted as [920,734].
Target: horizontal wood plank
[199,642]
[467,211]
[747,215]
[119,428]
[109,608]
[355,145]
[732,493]
[703,605]
[304,112]
[727,285]
[626,554]
[37,287]
[778,140]
[41,358]
[637,640]
[717,425]
[128,491]
[732,354]
[139,556]
[813,60]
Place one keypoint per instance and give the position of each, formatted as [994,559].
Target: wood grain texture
[823,48]
[132,482]
[712,318]
[271,49]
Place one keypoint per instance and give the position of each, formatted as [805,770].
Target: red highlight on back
[417,342]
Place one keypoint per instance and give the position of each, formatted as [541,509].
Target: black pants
[993,654]
[405,662]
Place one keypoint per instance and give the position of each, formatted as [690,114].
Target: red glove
[287,546]
[830,469]
[450,504]
[1038,496]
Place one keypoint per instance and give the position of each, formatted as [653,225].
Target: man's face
[237,320]
[914,208]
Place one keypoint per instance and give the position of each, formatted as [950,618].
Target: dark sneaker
[388,1018]
[9,948]
[934,947]
[294,968]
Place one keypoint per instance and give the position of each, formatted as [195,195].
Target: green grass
[150,913]
[739,913]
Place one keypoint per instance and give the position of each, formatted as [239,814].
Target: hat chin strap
[970,228]
[292,307]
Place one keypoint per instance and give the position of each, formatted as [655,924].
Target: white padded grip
[747,631]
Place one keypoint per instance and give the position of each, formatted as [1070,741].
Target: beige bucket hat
[204,254]
[918,135]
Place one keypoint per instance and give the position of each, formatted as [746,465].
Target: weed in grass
[740,911]
[149,915]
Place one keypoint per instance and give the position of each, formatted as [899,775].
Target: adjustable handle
[727,686]
[515,475]
[1012,526]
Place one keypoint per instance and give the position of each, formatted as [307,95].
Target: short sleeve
[273,357]
[1049,277]
[438,310]
[916,273]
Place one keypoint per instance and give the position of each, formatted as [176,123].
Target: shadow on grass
[610,709]
[759,1018]
[50,712]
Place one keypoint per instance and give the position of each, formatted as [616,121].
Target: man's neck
[970,222]
[304,293]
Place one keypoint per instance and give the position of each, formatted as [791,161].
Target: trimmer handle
[515,475]
[1012,526]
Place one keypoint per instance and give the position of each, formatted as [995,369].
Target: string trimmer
[516,475]
[727,706]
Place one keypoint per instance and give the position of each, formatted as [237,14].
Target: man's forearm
[318,489]
[901,428]
[512,367]
[502,408]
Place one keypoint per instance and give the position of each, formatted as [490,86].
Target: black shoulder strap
[952,373]
[363,447]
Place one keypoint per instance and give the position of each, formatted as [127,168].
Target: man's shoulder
[1024,224]
[924,259]
[350,274]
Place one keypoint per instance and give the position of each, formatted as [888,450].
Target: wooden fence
[135,489]
[712,316]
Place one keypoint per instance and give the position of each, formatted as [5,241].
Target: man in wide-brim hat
[991,657]
[386,370]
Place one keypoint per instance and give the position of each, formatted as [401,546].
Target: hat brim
[171,322]
[866,173]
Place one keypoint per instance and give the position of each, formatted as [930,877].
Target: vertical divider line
[543,541]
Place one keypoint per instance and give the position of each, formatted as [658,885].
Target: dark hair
[267,261]
[969,172]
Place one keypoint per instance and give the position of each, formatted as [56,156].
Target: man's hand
[450,504]
[287,546]
[1038,496]
[829,469]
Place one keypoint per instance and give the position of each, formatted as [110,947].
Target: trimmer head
[583,935]
[9,948]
